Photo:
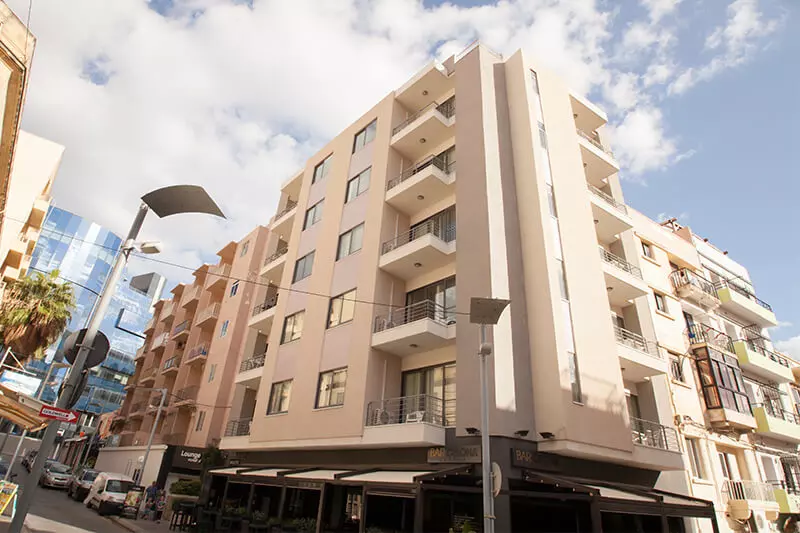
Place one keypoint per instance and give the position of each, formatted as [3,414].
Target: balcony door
[436,381]
[442,224]
[443,295]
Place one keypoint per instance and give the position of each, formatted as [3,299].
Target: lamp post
[486,312]
[163,202]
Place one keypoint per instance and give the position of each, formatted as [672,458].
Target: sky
[235,95]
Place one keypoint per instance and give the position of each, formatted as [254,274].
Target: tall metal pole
[74,378]
[484,351]
[138,479]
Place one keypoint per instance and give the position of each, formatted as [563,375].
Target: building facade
[352,396]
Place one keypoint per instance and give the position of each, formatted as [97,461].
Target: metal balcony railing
[416,168]
[447,109]
[683,277]
[201,350]
[186,394]
[269,303]
[607,198]
[594,138]
[426,309]
[172,362]
[722,284]
[408,410]
[445,232]
[655,435]
[256,361]
[180,328]
[620,263]
[777,411]
[757,346]
[279,253]
[238,428]
[636,341]
[747,490]
[699,333]
[788,486]
[290,204]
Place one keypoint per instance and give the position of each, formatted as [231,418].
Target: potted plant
[304,525]
[259,517]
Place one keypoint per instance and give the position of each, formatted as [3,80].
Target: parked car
[108,492]
[80,483]
[55,475]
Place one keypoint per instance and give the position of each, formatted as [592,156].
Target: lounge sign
[188,458]
[466,454]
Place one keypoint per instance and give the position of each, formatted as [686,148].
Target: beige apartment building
[348,390]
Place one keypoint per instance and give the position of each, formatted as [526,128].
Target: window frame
[273,397]
[223,330]
[348,296]
[333,373]
[647,250]
[364,175]
[662,306]
[245,248]
[372,128]
[315,210]
[676,370]
[293,318]
[324,168]
[234,289]
[201,418]
[212,371]
[349,233]
[303,260]
[696,464]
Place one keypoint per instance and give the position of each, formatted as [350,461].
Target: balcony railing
[747,490]
[416,168]
[607,198]
[699,333]
[447,109]
[238,428]
[290,204]
[684,276]
[193,293]
[200,350]
[446,232]
[620,263]
[756,346]
[269,303]
[636,341]
[180,327]
[256,361]
[279,253]
[212,311]
[172,362]
[160,341]
[655,435]
[149,373]
[776,411]
[594,138]
[722,284]
[187,394]
[166,310]
[409,410]
[426,309]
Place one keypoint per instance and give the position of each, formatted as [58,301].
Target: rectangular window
[293,327]
[575,378]
[313,215]
[350,241]
[365,136]
[661,302]
[234,288]
[341,308]
[542,136]
[331,388]
[245,247]
[279,397]
[321,170]
[647,250]
[534,82]
[302,269]
[211,371]
[695,458]
[224,330]
[201,417]
[676,368]
[358,185]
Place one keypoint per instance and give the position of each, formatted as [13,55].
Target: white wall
[126,460]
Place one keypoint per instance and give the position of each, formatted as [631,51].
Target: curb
[125,524]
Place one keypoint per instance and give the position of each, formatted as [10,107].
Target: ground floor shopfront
[439,489]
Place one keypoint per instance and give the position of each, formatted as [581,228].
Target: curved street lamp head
[177,199]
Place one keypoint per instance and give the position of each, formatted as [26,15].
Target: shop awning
[315,475]
[265,472]
[389,477]
[226,471]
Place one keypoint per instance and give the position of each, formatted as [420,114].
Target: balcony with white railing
[756,358]
[425,129]
[742,497]
[598,161]
[623,280]
[691,286]
[741,301]
[408,421]
[416,328]
[423,248]
[610,216]
[640,358]
[421,185]
[701,334]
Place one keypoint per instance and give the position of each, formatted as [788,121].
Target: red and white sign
[56,413]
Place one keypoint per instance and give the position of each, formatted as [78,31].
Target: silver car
[56,476]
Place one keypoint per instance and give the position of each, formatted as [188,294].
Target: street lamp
[163,202]
[486,311]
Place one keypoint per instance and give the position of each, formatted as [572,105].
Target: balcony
[408,421]
[167,311]
[218,276]
[774,421]
[421,186]
[787,496]
[598,161]
[137,410]
[198,354]
[656,445]
[140,353]
[171,365]
[238,428]
[693,287]
[424,248]
[702,335]
[417,328]
[150,326]
[282,222]
[191,296]
[160,342]
[273,265]
[208,316]
[742,497]
[425,130]
[611,217]
[181,331]
[742,302]
[39,211]
[263,313]
[623,280]
[756,359]
[431,82]
[186,396]
[250,370]
[148,375]
[640,358]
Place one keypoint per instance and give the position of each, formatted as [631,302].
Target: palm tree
[34,313]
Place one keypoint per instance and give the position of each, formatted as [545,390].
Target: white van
[108,492]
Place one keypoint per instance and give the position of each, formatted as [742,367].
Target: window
[302,269]
[358,185]
[321,170]
[293,327]
[661,302]
[542,136]
[245,247]
[365,136]
[676,368]
[279,397]
[201,417]
[350,241]
[313,215]
[647,250]
[211,371]
[331,388]
[341,308]
[224,330]
[421,385]
[534,82]
[695,459]
[234,288]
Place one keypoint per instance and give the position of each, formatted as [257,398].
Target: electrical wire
[152,390]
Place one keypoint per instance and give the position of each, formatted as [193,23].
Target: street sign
[56,413]
[96,355]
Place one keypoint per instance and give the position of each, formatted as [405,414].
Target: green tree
[34,313]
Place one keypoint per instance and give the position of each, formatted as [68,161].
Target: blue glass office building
[83,253]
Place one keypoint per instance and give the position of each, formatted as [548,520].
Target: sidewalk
[37,524]
[137,526]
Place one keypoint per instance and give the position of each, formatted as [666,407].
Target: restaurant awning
[232,471]
[389,477]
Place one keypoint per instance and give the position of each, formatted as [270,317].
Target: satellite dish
[497,479]
[96,355]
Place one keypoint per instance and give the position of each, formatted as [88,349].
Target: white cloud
[660,8]
[791,346]
[640,143]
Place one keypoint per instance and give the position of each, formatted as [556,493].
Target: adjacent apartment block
[352,397]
